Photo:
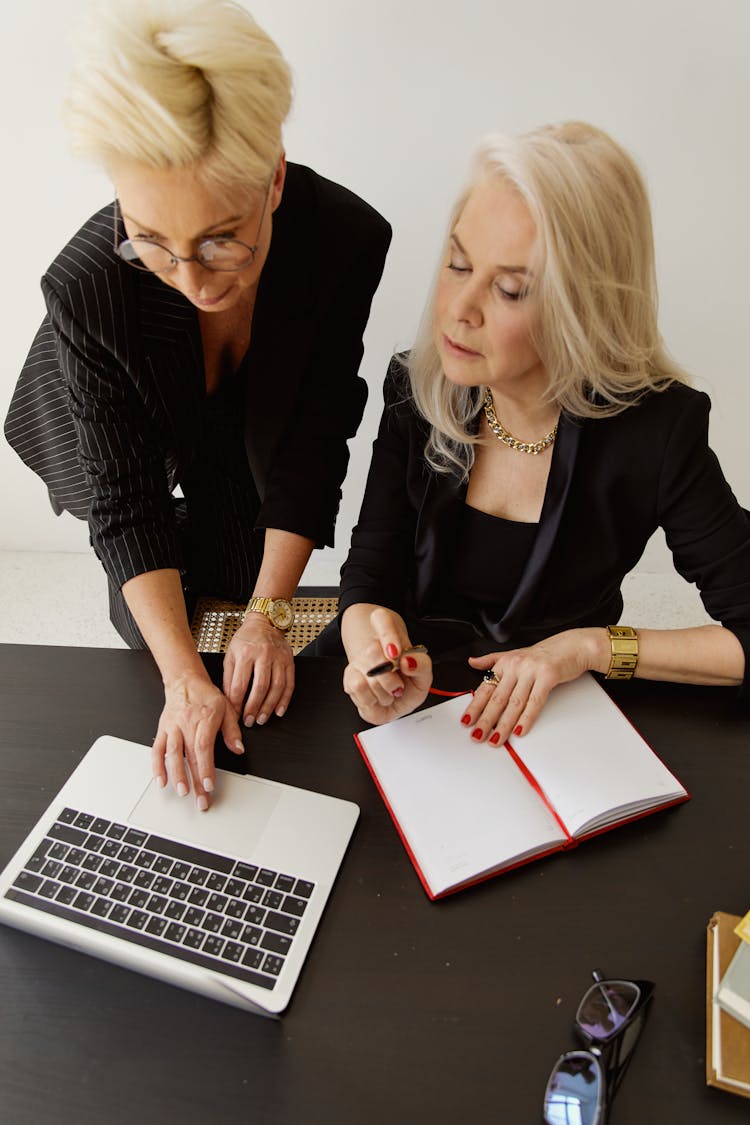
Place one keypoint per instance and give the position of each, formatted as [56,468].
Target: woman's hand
[381,636]
[194,713]
[261,652]
[526,677]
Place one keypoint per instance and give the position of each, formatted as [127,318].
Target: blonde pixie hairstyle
[180,83]
[596,329]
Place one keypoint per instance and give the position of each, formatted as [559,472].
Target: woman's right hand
[373,635]
[194,713]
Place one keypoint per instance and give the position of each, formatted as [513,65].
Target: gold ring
[491,678]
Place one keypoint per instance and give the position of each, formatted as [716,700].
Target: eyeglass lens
[606,1007]
[574,1094]
[214,253]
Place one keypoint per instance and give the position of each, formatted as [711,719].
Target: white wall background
[391,96]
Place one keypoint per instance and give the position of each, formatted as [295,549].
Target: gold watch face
[281,613]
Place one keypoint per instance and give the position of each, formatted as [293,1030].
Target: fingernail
[397,692]
[261,720]
[280,711]
[181,789]
[239,746]
[494,738]
[391,652]
[466,719]
[202,803]
[411,662]
[518,730]
[478,733]
[160,782]
[208,784]
[249,720]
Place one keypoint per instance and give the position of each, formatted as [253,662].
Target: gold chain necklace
[507,438]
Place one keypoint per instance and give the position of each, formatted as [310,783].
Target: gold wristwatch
[279,611]
[624,659]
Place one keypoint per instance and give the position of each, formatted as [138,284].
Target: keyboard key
[266,877]
[156,904]
[136,837]
[180,891]
[120,892]
[273,899]
[144,859]
[292,905]
[285,883]
[232,951]
[66,894]
[86,879]
[138,898]
[234,887]
[102,886]
[49,888]
[59,850]
[156,925]
[252,958]
[181,871]
[303,889]
[253,893]
[100,825]
[76,856]
[37,861]
[216,882]
[144,879]
[137,920]
[245,871]
[119,913]
[194,939]
[236,908]
[93,842]
[127,854]
[67,816]
[110,848]
[26,881]
[251,935]
[117,831]
[231,928]
[198,896]
[196,857]
[197,876]
[109,869]
[272,964]
[68,874]
[284,923]
[102,907]
[217,902]
[276,943]
[255,914]
[175,932]
[194,916]
[83,900]
[213,923]
[162,885]
[213,945]
[52,869]
[92,862]
[83,820]
[175,910]
[162,864]
[67,833]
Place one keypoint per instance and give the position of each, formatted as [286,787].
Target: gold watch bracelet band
[624,657]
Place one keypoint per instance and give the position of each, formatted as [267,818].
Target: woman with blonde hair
[531,443]
[202,331]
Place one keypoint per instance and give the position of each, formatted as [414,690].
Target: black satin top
[488,560]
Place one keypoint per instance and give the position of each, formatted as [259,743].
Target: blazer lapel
[564,455]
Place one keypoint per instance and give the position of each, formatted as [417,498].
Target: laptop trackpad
[241,807]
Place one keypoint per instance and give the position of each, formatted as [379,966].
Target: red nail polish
[411,663]
[494,738]
[466,719]
[518,730]
[478,733]
[391,652]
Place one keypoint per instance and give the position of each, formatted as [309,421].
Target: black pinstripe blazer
[109,407]
[612,483]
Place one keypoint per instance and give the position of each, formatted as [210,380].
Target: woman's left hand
[526,677]
[259,652]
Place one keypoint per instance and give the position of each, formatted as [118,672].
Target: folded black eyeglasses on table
[609,1020]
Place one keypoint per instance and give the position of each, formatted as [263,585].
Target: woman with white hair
[533,440]
[202,331]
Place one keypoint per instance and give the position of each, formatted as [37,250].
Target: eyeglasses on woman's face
[218,254]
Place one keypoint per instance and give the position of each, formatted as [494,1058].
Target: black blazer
[109,407]
[612,482]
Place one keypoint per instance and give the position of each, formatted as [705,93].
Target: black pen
[392,665]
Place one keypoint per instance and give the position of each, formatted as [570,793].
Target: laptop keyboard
[234,917]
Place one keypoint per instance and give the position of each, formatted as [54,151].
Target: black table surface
[406,1010]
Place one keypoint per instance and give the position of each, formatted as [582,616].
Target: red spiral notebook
[466,811]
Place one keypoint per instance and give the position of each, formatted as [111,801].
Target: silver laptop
[224,903]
